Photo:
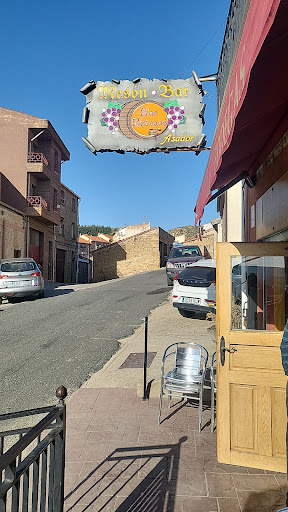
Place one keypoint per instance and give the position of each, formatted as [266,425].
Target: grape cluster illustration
[175,115]
[110,117]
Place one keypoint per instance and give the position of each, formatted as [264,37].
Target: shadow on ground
[131,478]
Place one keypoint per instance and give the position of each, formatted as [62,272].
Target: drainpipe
[3,234]
[54,255]
[77,238]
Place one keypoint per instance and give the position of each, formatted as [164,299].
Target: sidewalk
[119,459]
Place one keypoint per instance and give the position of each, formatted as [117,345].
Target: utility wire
[204,48]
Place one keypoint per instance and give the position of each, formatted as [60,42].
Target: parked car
[194,289]
[20,277]
[179,258]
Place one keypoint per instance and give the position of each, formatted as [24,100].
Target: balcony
[39,209]
[38,163]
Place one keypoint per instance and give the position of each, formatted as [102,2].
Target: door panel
[251,385]
[243,404]
[278,418]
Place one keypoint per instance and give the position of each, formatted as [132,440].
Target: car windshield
[184,252]
[199,273]
[18,266]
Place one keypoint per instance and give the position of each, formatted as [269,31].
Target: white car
[20,277]
[194,289]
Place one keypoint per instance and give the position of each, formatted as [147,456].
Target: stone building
[66,237]
[31,156]
[138,253]
[12,232]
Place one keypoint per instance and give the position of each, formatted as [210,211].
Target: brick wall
[65,241]
[12,232]
[139,253]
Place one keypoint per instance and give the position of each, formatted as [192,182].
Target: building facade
[139,253]
[66,237]
[31,156]
[248,166]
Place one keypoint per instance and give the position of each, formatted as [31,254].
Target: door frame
[226,375]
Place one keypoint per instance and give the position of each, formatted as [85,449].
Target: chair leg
[200,410]
[160,404]
[169,401]
[212,409]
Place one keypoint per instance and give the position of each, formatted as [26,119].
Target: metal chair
[186,379]
[213,390]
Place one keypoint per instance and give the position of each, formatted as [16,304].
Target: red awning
[254,112]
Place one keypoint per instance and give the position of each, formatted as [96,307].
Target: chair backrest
[212,371]
[188,360]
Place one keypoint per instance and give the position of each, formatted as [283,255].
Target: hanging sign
[144,115]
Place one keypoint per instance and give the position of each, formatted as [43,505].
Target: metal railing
[38,158]
[37,201]
[32,469]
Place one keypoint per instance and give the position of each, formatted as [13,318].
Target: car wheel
[12,300]
[169,281]
[40,295]
[186,313]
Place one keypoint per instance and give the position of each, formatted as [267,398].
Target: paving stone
[190,504]
[229,505]
[220,485]
[255,482]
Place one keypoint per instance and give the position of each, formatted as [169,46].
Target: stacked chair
[185,377]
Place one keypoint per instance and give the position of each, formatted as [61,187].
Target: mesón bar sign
[144,115]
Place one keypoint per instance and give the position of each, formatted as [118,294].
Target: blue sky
[50,50]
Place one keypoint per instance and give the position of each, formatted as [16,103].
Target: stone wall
[66,238]
[12,233]
[207,245]
[139,253]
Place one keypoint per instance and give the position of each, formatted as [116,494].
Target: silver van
[20,277]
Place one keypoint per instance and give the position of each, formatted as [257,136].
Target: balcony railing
[35,201]
[38,158]
[32,468]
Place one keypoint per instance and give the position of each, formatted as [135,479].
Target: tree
[94,229]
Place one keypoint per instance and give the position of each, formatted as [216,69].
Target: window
[73,230]
[17,253]
[55,197]
[62,197]
[73,204]
[21,266]
[259,292]
[61,227]
[56,162]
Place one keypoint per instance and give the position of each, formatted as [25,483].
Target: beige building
[138,253]
[133,229]
[31,155]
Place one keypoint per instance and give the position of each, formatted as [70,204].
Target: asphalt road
[69,335]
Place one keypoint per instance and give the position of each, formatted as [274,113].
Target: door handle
[224,349]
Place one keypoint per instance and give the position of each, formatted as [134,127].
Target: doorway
[252,309]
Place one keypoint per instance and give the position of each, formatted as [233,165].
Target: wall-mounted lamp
[164,80]
[115,81]
[136,80]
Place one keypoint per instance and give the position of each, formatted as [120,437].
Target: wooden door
[252,309]
[60,265]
